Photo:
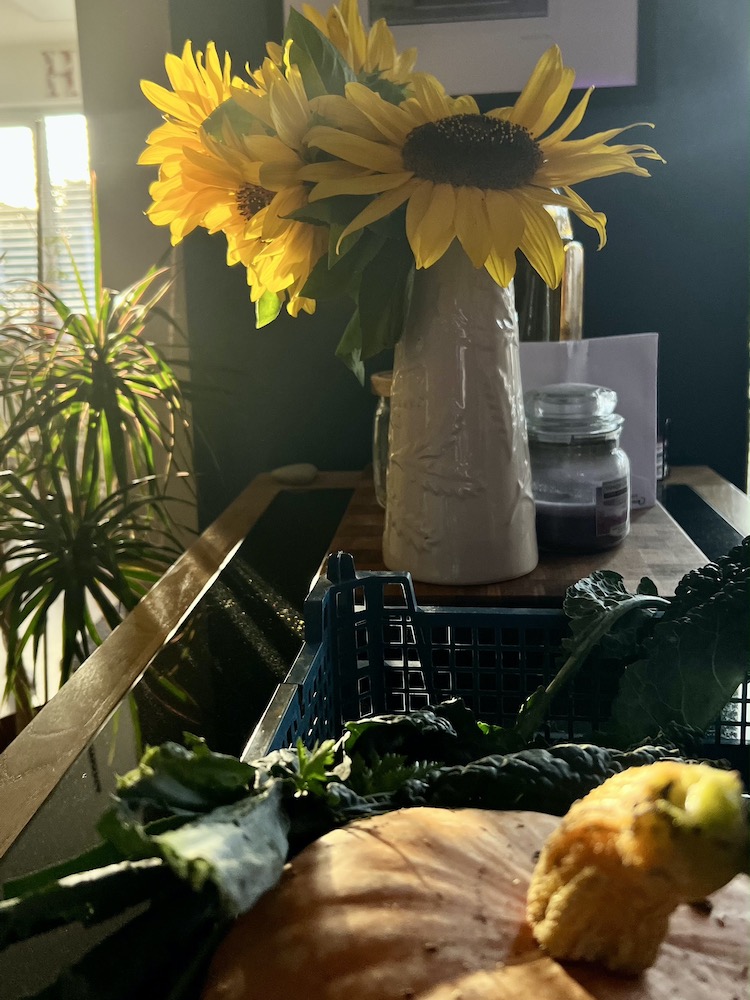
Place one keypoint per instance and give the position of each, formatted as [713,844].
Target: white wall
[39,75]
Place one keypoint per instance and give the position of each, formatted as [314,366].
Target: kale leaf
[694,657]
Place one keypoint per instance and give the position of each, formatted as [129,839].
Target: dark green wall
[676,262]
[268,397]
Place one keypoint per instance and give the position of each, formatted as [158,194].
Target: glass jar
[580,475]
[381,387]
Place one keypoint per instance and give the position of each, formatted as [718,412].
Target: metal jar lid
[568,412]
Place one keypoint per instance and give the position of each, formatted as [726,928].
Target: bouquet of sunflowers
[335,169]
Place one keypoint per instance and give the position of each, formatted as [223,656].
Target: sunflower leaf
[239,120]
[382,316]
[394,93]
[323,68]
[267,308]
[332,280]
[330,211]
[349,348]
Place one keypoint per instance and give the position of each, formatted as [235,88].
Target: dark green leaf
[240,848]
[330,211]
[231,114]
[324,70]
[385,297]
[342,277]
[394,93]
[98,857]
[185,779]
[88,897]
[694,658]
[594,606]
[349,348]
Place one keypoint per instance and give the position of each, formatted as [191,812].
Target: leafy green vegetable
[217,831]
[594,606]
[185,780]
[536,779]
[694,658]
[448,732]
[89,897]
[240,848]
[679,661]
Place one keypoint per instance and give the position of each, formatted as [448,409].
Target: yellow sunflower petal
[164,99]
[274,221]
[338,33]
[289,109]
[416,209]
[436,230]
[501,269]
[330,170]
[472,225]
[275,52]
[270,147]
[355,29]
[506,222]
[548,85]
[383,115]
[341,113]
[275,176]
[378,208]
[501,113]
[355,149]
[574,169]
[572,122]
[464,105]
[569,199]
[365,184]
[381,48]
[316,17]
[541,242]
[431,96]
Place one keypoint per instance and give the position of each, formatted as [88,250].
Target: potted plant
[89,416]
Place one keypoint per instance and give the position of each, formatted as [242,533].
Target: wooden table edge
[38,757]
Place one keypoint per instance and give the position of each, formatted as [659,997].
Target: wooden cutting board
[436,934]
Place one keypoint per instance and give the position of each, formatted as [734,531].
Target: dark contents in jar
[572,527]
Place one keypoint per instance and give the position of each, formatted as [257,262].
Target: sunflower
[247,186]
[199,88]
[483,178]
[371,55]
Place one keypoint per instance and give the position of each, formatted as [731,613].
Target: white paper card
[626,364]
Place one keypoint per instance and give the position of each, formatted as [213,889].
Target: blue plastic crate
[371,649]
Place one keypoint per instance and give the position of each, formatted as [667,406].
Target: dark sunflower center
[251,198]
[473,151]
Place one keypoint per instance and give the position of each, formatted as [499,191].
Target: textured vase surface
[459,503]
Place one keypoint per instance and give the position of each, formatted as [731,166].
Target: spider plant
[90,411]
[93,377]
[94,550]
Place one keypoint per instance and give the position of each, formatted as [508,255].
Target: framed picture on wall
[491,46]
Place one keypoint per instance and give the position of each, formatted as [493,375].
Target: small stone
[299,474]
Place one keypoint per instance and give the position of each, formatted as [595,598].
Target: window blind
[45,211]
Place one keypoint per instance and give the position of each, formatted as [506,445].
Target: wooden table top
[657,547]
